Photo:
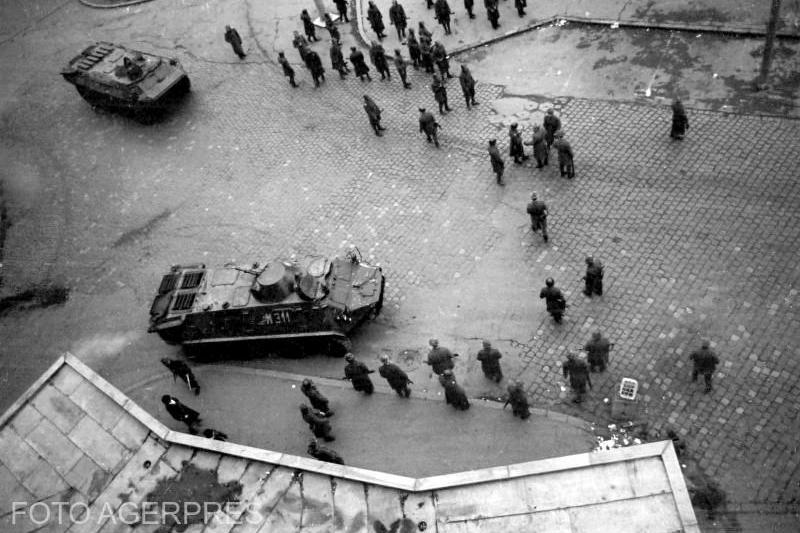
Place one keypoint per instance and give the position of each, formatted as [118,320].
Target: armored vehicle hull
[324,298]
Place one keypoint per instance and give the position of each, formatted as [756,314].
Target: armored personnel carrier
[322,298]
[112,76]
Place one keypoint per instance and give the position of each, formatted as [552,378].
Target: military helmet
[549,282]
[589,259]
[447,372]
[384,358]
[165,399]
[303,408]
[486,343]
[306,382]
[312,443]
[434,342]
[349,357]
[534,196]
[705,344]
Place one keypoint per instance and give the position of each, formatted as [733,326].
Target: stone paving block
[252,481]
[43,481]
[230,468]
[98,444]
[384,506]
[57,408]
[11,490]
[88,477]
[350,506]
[22,457]
[130,432]
[317,503]
[205,460]
[176,455]
[25,420]
[97,405]
[67,380]
[265,507]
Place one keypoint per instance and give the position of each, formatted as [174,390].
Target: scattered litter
[698,35]
[715,75]
[560,23]
[615,25]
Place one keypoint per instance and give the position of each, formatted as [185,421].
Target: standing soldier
[314,64]
[453,392]
[467,86]
[468,4]
[374,115]
[440,58]
[428,126]
[318,401]
[394,375]
[341,6]
[442,10]
[397,17]
[401,65]
[520,5]
[232,37]
[440,358]
[539,143]
[593,277]
[551,125]
[705,362]
[323,453]
[308,26]
[566,160]
[319,424]
[337,59]
[181,370]
[378,57]
[359,65]
[426,54]
[301,44]
[358,373]
[492,13]
[556,303]
[288,71]
[440,94]
[537,210]
[498,165]
[680,122]
[518,400]
[424,34]
[181,412]
[332,29]
[413,49]
[578,373]
[597,350]
[376,20]
[515,148]
[490,362]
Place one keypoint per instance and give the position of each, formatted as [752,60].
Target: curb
[111,5]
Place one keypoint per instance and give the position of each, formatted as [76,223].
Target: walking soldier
[537,210]
[540,152]
[498,165]
[468,4]
[556,303]
[323,453]
[593,277]
[402,67]
[394,375]
[315,397]
[578,373]
[359,65]
[181,412]
[358,373]
[374,115]
[333,31]
[518,400]
[317,422]
[597,349]
[492,13]
[439,54]
[378,57]
[428,126]
[308,26]
[181,370]
[337,59]
[413,49]
[440,94]
[314,64]
[453,392]
[288,71]
[705,362]
[442,10]
[398,18]
[376,20]
[341,7]
[490,362]
[301,44]
[467,86]
[566,160]
[440,358]
[680,122]
[515,148]
[426,54]
[232,37]
[551,125]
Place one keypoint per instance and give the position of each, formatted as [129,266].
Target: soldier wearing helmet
[556,303]
[358,374]
[440,358]
[597,350]
[317,422]
[490,362]
[317,400]
[518,400]
[593,277]
[394,375]
[323,453]
[453,392]
[705,362]
[578,373]
[537,210]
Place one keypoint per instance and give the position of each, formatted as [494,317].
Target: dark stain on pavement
[401,525]
[41,296]
[606,62]
[135,234]
[686,16]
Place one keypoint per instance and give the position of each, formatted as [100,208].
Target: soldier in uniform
[181,370]
[402,67]
[413,49]
[440,94]
[323,453]
[215,435]
[492,13]
[440,358]
[398,18]
[498,165]
[556,303]
[378,57]
[566,160]
[376,20]
[394,375]
[428,126]
[314,64]
[467,86]
[453,392]
[301,44]
[232,37]
[468,4]
[337,59]
[316,398]
[181,412]
[442,10]
[358,374]
[288,71]
[424,34]
[551,125]
[520,5]
[578,373]
[593,277]
[426,54]
[680,122]
[341,7]
[515,148]
[333,31]
[308,26]
[518,400]
[490,362]
[440,58]
[537,210]
[317,422]
[540,152]
[705,362]
[374,115]
[597,349]
[359,65]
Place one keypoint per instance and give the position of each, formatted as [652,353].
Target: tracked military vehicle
[112,76]
[321,298]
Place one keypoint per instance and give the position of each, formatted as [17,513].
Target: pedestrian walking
[358,374]
[705,362]
[323,453]
[395,376]
[490,362]
[537,210]
[374,115]
[593,277]
[515,147]
[428,126]
[551,125]
[556,303]
[468,5]
[520,5]
[440,94]
[341,7]
[442,11]
[288,71]
[314,64]
[398,18]
[453,392]
[376,20]
[439,54]
[413,49]
[680,122]
[318,424]
[467,86]
[402,67]
[426,55]
[424,34]
[578,373]
[518,400]
[597,350]
[492,13]
[429,3]
[498,165]
[333,31]
[566,159]
[337,59]
[359,65]
[232,37]
[316,398]
[300,42]
[181,413]
[378,57]
[540,151]
[440,358]
[181,370]
[215,435]
[308,26]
